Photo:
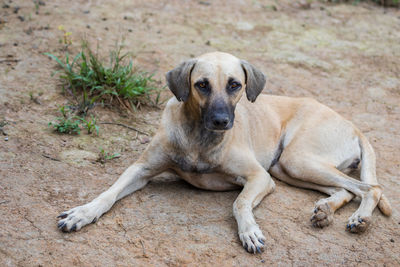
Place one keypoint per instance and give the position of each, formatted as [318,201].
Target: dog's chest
[193,163]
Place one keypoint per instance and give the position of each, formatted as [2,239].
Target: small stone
[15,44]
[204,3]
[305,4]
[208,42]
[392,240]
[125,17]
[6,139]
[88,26]
[21,18]
[6,6]
[16,9]
[106,28]
[86,11]
[129,30]
[262,261]
[144,140]
[104,19]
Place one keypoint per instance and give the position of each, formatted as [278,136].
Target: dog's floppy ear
[255,80]
[178,79]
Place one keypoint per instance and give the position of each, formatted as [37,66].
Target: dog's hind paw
[253,240]
[322,215]
[358,223]
[76,218]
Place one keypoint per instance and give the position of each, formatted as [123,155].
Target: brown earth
[346,56]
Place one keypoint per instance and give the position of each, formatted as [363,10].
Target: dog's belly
[212,181]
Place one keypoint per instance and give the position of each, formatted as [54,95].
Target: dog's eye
[235,86]
[203,87]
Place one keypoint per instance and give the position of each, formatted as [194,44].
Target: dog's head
[212,84]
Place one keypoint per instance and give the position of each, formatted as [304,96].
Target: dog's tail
[368,172]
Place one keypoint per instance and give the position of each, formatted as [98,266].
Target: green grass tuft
[90,125]
[106,156]
[70,124]
[66,124]
[89,80]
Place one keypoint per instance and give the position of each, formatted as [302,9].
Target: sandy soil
[345,56]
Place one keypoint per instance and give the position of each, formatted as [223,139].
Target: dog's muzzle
[218,116]
[220,121]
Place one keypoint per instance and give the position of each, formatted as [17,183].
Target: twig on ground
[9,60]
[126,126]
[49,157]
[144,251]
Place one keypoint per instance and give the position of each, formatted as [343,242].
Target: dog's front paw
[322,215]
[358,223]
[253,240]
[76,218]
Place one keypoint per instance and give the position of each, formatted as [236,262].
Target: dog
[215,139]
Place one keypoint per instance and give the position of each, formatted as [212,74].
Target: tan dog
[210,145]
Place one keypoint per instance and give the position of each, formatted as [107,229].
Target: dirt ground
[346,56]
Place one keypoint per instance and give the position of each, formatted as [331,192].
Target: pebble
[6,138]
[392,240]
[144,140]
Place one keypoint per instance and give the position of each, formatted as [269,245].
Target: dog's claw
[62,215]
[261,241]
[258,250]
[73,228]
[358,224]
[94,220]
[348,226]
[61,225]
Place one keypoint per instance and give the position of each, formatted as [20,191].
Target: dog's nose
[220,121]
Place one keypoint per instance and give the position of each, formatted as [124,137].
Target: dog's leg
[151,163]
[324,208]
[368,175]
[258,185]
[310,168]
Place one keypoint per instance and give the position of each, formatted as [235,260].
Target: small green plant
[66,124]
[70,124]
[66,38]
[89,80]
[105,156]
[90,125]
